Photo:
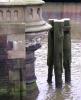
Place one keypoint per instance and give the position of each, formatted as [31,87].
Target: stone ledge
[12,28]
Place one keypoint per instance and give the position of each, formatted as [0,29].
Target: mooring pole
[50,56]
[67,50]
[58,52]
[55,51]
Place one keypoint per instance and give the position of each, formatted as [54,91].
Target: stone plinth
[18,18]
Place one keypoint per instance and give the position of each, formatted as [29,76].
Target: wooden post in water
[55,51]
[50,56]
[58,52]
[67,50]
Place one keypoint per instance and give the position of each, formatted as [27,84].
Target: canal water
[68,92]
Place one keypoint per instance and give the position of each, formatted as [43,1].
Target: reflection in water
[58,95]
[67,92]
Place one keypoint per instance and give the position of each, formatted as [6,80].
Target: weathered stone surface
[29,72]
[12,28]
[18,17]
[18,42]
[22,2]
[3,47]
[4,76]
[24,11]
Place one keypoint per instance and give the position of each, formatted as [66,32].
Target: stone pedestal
[18,18]
[4,75]
[30,59]
[29,71]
